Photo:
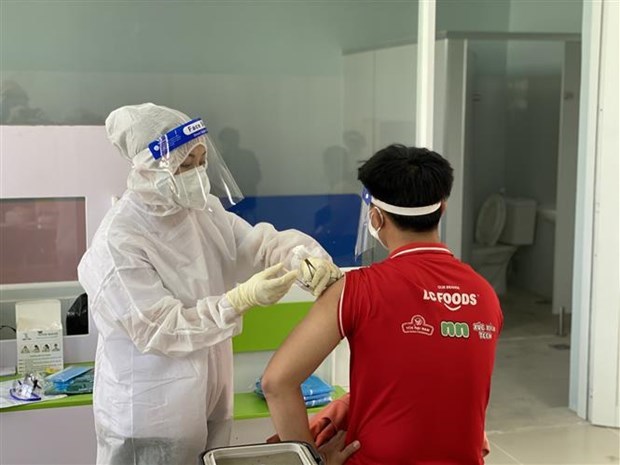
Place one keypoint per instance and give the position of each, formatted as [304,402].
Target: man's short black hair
[408,177]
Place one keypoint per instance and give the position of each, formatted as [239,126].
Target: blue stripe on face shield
[177,137]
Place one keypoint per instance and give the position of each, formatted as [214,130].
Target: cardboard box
[39,336]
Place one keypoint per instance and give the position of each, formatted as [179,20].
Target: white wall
[62,161]
[545,16]
[605,298]
[477,15]
[379,95]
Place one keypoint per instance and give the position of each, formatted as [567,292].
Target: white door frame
[425,82]
[595,355]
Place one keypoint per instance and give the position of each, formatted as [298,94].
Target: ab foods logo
[450,297]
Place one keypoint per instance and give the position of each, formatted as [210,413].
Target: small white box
[39,336]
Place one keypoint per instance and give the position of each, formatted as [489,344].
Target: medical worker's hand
[263,288]
[334,452]
[317,274]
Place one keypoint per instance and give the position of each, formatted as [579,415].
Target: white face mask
[193,188]
[372,230]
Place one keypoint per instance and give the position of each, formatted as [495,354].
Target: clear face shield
[223,185]
[367,235]
[192,168]
[364,241]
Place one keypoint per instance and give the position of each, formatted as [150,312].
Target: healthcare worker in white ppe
[161,277]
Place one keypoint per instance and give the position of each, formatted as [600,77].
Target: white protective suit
[155,275]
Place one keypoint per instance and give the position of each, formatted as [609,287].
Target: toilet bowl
[492,264]
[502,225]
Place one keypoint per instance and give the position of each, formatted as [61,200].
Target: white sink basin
[548,214]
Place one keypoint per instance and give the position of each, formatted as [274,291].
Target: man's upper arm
[310,342]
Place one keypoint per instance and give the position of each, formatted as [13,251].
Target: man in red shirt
[422,327]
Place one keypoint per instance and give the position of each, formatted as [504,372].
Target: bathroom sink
[547,213]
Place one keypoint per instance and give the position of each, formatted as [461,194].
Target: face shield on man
[190,168]
[367,232]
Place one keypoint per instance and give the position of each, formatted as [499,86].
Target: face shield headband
[191,189]
[364,240]
[184,134]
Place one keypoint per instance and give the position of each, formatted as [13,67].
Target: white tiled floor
[528,421]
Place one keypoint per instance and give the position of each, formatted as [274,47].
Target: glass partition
[295,94]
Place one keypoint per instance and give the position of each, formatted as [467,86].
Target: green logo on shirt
[452,329]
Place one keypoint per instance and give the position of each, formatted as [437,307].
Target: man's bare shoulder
[329,299]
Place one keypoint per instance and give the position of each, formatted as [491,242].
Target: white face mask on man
[374,232]
[193,188]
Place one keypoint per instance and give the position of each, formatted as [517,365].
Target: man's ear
[444,205]
[376,212]
[386,218]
